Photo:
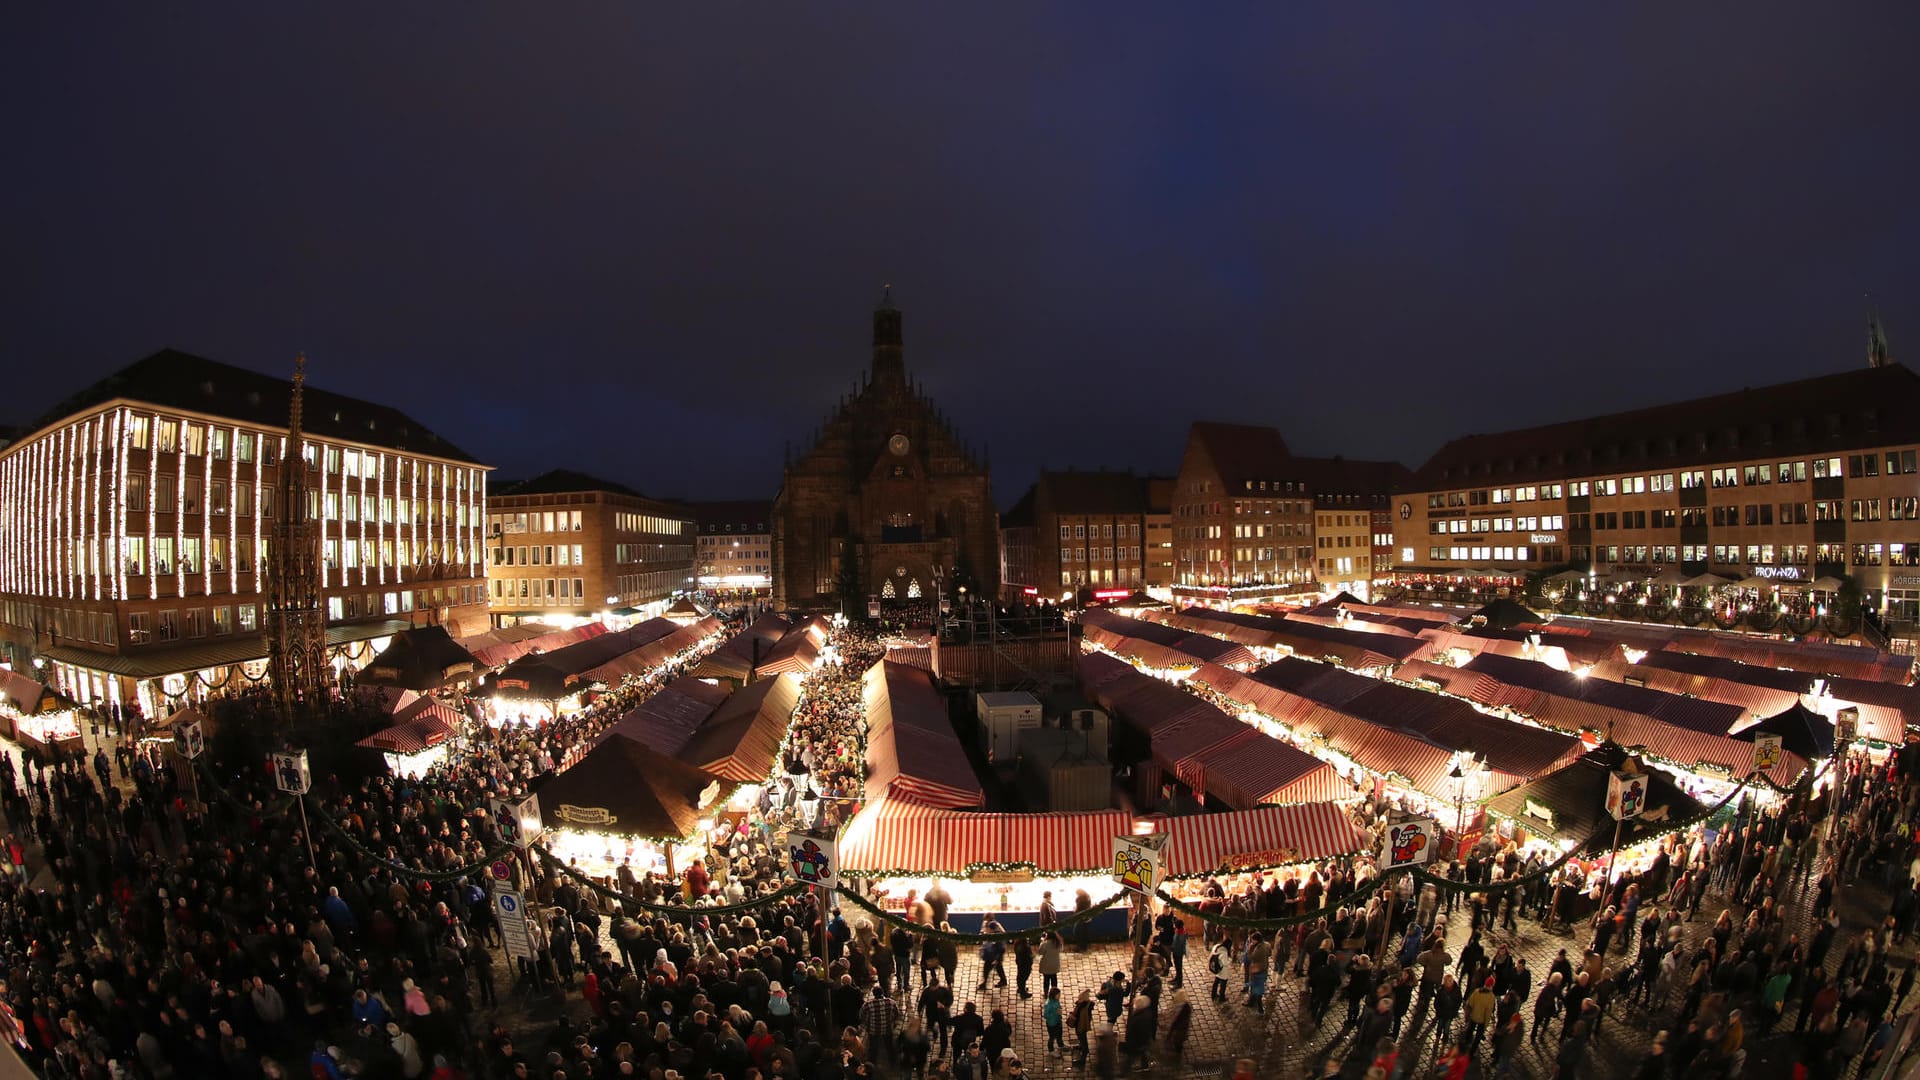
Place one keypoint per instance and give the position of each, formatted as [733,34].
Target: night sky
[644,240]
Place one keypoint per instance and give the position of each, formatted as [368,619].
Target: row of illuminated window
[1346,565]
[194,554]
[1099,532]
[1854,466]
[537,555]
[1246,507]
[545,590]
[1100,554]
[1475,526]
[651,584]
[196,438]
[545,521]
[152,627]
[218,497]
[734,554]
[1326,542]
[1125,575]
[1480,553]
[630,521]
[652,553]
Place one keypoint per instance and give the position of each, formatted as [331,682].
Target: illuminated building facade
[1783,484]
[1242,518]
[1088,535]
[135,522]
[566,546]
[735,556]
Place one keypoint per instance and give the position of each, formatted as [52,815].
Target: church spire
[1877,352]
[887,361]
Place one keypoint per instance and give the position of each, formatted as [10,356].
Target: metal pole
[307,831]
[1614,855]
[832,1037]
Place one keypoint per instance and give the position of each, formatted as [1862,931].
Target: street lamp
[1459,779]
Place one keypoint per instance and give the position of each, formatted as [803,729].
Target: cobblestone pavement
[1285,1048]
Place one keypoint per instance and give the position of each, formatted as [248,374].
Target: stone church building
[889,504]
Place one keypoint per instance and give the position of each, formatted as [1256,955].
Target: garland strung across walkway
[921,930]
[631,903]
[455,874]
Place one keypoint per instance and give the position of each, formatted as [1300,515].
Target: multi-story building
[1159,555]
[134,523]
[735,557]
[1348,499]
[1020,554]
[566,546]
[1242,518]
[1784,484]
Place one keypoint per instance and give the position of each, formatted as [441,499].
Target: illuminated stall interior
[420,738]
[626,802]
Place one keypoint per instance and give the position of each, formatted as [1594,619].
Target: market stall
[626,802]
[540,686]
[912,750]
[419,739]
[669,716]
[1003,864]
[422,659]
[741,741]
[737,657]
[38,717]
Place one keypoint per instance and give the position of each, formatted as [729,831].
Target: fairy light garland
[923,930]
[233,515]
[632,903]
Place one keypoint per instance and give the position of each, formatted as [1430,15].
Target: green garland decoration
[271,810]
[631,903]
[921,930]
[455,874]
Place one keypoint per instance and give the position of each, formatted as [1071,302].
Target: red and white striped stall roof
[1253,839]
[897,837]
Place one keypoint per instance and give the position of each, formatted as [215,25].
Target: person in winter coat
[1480,1007]
[1050,949]
[407,1049]
[997,1037]
[1217,963]
[1446,1006]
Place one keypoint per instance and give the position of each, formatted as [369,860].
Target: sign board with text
[193,740]
[510,910]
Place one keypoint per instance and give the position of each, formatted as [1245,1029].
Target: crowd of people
[152,938]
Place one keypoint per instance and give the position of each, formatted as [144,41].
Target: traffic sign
[510,910]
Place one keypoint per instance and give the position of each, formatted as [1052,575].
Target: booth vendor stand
[626,802]
[418,740]
[37,717]
[998,864]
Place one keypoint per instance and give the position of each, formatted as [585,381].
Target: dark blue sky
[644,240]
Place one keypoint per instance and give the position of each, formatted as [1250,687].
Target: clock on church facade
[888,494]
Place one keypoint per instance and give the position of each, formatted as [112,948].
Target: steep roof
[1825,414]
[1021,516]
[562,482]
[176,380]
[1244,451]
[1100,492]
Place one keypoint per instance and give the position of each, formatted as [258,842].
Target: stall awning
[626,788]
[668,718]
[25,695]
[425,725]
[423,658]
[895,838]
[1570,805]
[912,751]
[741,740]
[1256,839]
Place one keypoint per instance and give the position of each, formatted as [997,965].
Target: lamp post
[1459,779]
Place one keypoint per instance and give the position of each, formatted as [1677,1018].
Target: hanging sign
[1408,843]
[517,823]
[1136,861]
[510,909]
[1626,795]
[193,740]
[813,861]
[1846,724]
[290,772]
[1766,752]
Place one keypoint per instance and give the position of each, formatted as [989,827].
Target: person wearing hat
[407,1049]
[1480,1008]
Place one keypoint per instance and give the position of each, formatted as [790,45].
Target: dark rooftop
[1847,410]
[747,516]
[1101,492]
[561,482]
[1341,476]
[1243,452]
[172,379]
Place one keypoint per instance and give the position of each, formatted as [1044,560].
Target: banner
[1136,861]
[290,772]
[1626,795]
[1409,843]
[1766,751]
[813,860]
